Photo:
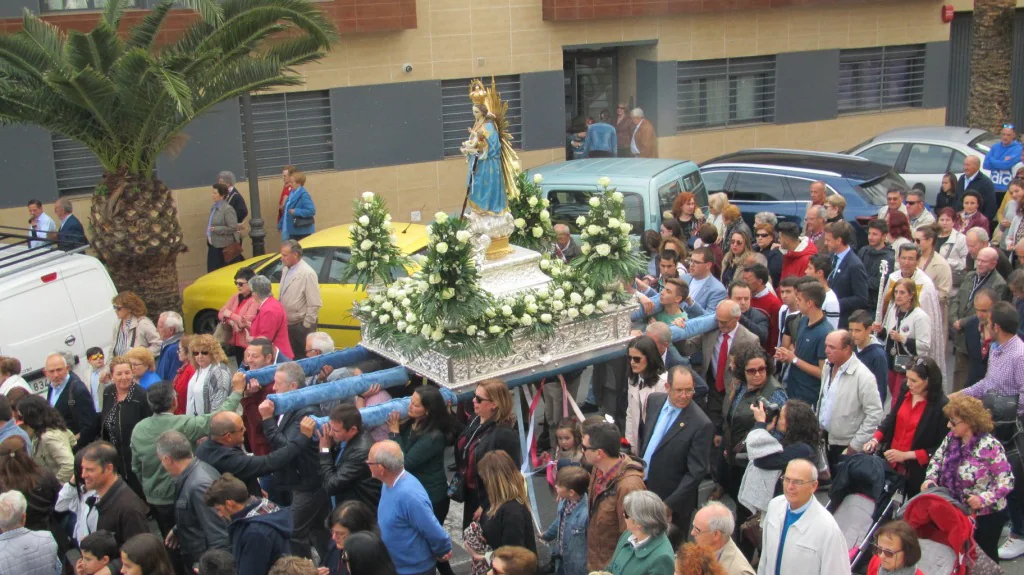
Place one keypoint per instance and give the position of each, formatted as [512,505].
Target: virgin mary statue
[484,178]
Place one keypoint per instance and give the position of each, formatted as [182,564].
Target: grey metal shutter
[725,92]
[960,68]
[78,170]
[457,111]
[882,78]
[1017,71]
[293,128]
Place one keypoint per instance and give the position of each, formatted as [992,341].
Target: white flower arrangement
[533,228]
[608,254]
[374,256]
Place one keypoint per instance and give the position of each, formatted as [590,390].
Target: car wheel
[205,322]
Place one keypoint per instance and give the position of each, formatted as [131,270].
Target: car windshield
[858,146]
[984,142]
[874,191]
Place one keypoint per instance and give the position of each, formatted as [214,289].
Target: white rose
[573,313]
[411,330]
[626,228]
[364,220]
[575,298]
[567,286]
[607,296]
[387,306]
[494,329]
[545,318]
[595,201]
[361,266]
[617,196]
[490,312]
[559,293]
[406,302]
[517,166]
[588,309]
[589,293]
[366,245]
[441,247]
[438,335]
[528,298]
[532,307]
[537,178]
[410,317]
[593,230]
[425,330]
[557,305]
[384,318]
[471,330]
[545,215]
[387,217]
[603,249]
[532,201]
[434,279]
[447,293]
[520,223]
[463,236]
[602,305]
[367,196]
[613,223]
[585,249]
[392,292]
[386,225]
[377,299]
[506,310]
[538,231]
[441,217]
[545,264]
[581,221]
[401,326]
[545,203]
[604,182]
[542,293]
[430,231]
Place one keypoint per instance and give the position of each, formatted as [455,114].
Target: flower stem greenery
[374,257]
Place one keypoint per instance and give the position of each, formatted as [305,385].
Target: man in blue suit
[848,277]
[70,233]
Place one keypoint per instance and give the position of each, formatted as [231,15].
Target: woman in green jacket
[644,548]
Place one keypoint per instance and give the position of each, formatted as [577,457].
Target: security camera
[407,68]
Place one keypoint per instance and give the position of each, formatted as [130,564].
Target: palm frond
[113,12]
[209,10]
[143,34]
[45,36]
[177,90]
[295,51]
[22,59]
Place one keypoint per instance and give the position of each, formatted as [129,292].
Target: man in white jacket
[849,407]
[800,535]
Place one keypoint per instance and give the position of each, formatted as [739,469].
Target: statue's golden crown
[478,92]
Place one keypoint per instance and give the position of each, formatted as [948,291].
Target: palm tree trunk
[989,106]
[136,232]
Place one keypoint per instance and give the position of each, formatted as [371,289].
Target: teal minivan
[649,186]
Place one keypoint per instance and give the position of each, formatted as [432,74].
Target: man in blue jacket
[870,351]
[1001,158]
[171,328]
[70,233]
[259,529]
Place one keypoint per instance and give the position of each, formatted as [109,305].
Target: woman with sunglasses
[905,330]
[238,313]
[734,260]
[732,218]
[134,328]
[916,426]
[646,375]
[764,244]
[972,465]
[124,406]
[897,550]
[211,383]
[491,429]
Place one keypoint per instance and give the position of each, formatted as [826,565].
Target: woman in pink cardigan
[238,314]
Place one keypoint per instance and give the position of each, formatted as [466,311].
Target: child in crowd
[568,532]
[99,375]
[569,438]
[99,552]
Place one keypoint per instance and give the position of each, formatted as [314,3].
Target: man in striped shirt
[1005,356]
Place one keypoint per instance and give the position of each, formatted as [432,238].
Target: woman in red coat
[897,550]
[185,373]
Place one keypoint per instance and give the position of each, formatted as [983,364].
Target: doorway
[591,87]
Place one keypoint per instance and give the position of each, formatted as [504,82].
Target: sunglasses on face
[636,358]
[479,399]
[757,370]
[117,308]
[198,353]
[888,553]
[737,242]
[95,356]
[241,284]
[763,235]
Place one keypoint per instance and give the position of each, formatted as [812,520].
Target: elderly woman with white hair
[644,546]
[22,550]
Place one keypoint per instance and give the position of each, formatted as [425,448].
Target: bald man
[224,452]
[565,248]
[984,275]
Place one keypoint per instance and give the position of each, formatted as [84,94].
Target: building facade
[386,109]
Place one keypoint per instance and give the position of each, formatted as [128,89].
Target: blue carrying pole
[341,389]
[378,414]
[313,365]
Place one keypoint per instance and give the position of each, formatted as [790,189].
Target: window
[715,181]
[315,257]
[873,79]
[883,153]
[291,128]
[759,188]
[457,111]
[667,196]
[725,92]
[67,5]
[339,261]
[567,205]
[928,159]
[78,169]
[957,163]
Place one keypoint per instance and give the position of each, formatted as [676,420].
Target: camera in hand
[771,410]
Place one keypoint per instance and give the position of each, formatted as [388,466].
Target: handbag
[1004,416]
[232,251]
[900,363]
[223,334]
[302,221]
[457,487]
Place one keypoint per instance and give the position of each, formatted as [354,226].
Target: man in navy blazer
[974,179]
[70,233]
[977,349]
[848,277]
[69,395]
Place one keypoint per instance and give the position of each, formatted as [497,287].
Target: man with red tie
[715,348]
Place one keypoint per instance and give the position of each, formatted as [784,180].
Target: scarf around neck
[909,570]
[949,475]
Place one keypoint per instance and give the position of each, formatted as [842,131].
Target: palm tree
[989,105]
[128,100]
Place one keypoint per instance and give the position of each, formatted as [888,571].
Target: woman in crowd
[835,205]
[347,519]
[952,245]
[644,547]
[916,425]
[10,375]
[905,331]
[211,384]
[971,216]
[365,554]
[510,560]
[801,435]
[646,375]
[52,441]
[273,326]
[184,374]
[755,383]
[764,236]
[1015,232]
[143,366]
[972,465]
[423,438]
[19,472]
[899,231]
[948,194]
[491,429]
[124,406]
[689,216]
[299,211]
[221,230]
[694,559]
[739,249]
[286,176]
[134,329]
[670,228]
[716,206]
[144,554]
[75,498]
[733,220]
[238,313]
[897,550]
[506,519]
[652,245]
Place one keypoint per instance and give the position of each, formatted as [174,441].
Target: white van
[53,301]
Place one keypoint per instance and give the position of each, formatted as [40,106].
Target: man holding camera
[849,408]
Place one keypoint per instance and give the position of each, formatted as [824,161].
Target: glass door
[591,88]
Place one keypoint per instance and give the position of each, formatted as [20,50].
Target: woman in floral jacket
[972,465]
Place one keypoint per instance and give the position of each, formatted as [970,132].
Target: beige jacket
[300,294]
[732,560]
[942,276]
[52,450]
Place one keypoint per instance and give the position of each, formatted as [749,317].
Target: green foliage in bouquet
[374,256]
[607,255]
[453,296]
[533,221]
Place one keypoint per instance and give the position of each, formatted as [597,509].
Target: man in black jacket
[235,199]
[121,512]
[70,396]
[344,451]
[974,179]
[974,340]
[847,276]
[751,318]
[310,504]
[872,256]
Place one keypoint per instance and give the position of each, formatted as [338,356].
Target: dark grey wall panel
[15,8]
[959,72]
[214,144]
[1017,71]
[806,86]
[26,160]
[543,97]
[656,93]
[387,124]
[936,75]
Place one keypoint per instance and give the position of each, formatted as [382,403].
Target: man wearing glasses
[799,534]
[917,212]
[849,407]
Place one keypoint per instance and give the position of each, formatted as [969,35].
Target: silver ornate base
[516,272]
[488,229]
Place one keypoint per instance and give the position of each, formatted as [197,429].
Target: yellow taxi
[327,252]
